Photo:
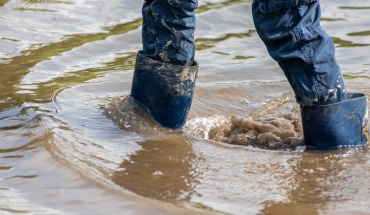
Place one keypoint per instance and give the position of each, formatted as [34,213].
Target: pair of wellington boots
[167,90]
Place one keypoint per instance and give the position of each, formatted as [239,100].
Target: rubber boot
[166,90]
[337,125]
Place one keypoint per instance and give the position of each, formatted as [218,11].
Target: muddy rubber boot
[166,90]
[342,124]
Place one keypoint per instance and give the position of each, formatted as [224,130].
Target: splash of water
[266,128]
[277,125]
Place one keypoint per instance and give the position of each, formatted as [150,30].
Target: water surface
[72,143]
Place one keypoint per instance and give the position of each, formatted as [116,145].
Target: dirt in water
[272,132]
[264,128]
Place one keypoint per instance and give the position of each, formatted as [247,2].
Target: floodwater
[73,143]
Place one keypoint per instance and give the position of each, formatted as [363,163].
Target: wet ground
[68,148]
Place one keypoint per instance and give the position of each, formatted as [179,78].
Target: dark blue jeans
[290,30]
[168,30]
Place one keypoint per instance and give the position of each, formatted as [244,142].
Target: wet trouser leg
[168,30]
[294,38]
[165,70]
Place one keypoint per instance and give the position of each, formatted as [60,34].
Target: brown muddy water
[72,143]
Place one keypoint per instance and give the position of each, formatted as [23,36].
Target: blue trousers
[290,29]
[168,30]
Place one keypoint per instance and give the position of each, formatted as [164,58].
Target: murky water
[67,146]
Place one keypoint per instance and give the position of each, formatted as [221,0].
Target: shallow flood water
[72,143]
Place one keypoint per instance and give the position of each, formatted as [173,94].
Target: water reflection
[206,43]
[162,169]
[2,2]
[346,43]
[319,179]
[46,1]
[59,66]
[361,33]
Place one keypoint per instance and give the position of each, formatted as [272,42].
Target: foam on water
[276,126]
[131,116]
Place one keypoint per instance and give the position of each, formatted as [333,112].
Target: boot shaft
[166,90]
[342,124]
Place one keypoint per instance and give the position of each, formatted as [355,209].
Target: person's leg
[168,30]
[294,38]
[165,70]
